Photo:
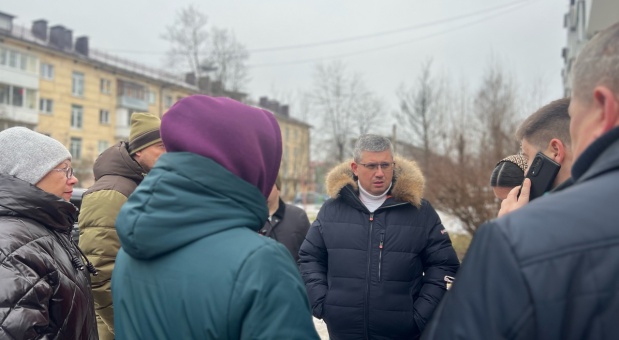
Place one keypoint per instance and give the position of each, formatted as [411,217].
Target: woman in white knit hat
[44,284]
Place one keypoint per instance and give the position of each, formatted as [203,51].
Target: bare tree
[417,109]
[229,57]
[369,113]
[188,38]
[479,132]
[193,48]
[343,108]
[495,107]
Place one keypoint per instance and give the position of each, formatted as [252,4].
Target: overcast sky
[460,35]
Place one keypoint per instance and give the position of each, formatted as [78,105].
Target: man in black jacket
[376,259]
[550,270]
[287,223]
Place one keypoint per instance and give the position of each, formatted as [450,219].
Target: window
[132,90]
[106,86]
[23,61]
[168,101]
[103,145]
[152,97]
[46,105]
[18,96]
[31,99]
[32,64]
[18,60]
[76,148]
[47,71]
[77,113]
[78,84]
[104,117]
[13,59]
[3,56]
[5,91]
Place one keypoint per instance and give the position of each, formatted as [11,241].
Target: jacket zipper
[367,281]
[366,320]
[380,252]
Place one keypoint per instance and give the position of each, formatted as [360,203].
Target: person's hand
[515,202]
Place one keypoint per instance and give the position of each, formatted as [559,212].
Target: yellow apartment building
[294,170]
[84,97]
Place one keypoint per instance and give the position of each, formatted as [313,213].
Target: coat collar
[281,209]
[601,156]
[408,181]
[117,161]
[22,199]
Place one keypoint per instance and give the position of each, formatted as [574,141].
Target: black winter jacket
[288,225]
[379,275]
[42,294]
[549,270]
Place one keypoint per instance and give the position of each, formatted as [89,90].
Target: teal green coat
[192,265]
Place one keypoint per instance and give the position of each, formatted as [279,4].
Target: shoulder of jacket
[11,228]
[262,256]
[105,201]
[120,184]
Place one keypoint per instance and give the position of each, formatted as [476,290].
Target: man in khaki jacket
[118,171]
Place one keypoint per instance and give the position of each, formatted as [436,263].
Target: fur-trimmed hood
[408,181]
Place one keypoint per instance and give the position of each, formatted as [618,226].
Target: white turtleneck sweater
[370,201]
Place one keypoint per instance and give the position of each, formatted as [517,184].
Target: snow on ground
[452,223]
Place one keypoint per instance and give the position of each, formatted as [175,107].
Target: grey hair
[597,64]
[372,143]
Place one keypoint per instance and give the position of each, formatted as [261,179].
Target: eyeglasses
[68,170]
[374,166]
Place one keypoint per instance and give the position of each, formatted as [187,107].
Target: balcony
[133,103]
[122,132]
[132,96]
[19,115]
[19,78]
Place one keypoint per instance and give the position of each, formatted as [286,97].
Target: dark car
[76,199]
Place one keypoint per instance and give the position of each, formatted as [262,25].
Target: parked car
[76,199]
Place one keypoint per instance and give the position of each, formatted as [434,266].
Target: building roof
[100,57]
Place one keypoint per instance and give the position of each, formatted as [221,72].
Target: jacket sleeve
[24,296]
[489,298]
[439,260]
[313,266]
[271,296]
[100,243]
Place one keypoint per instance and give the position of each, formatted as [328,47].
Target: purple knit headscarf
[243,139]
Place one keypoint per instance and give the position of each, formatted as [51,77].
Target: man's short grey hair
[597,64]
[371,143]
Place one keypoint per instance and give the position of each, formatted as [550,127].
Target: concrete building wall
[294,169]
[582,21]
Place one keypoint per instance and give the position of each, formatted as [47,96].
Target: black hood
[116,161]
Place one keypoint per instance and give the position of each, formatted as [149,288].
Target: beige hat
[144,131]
